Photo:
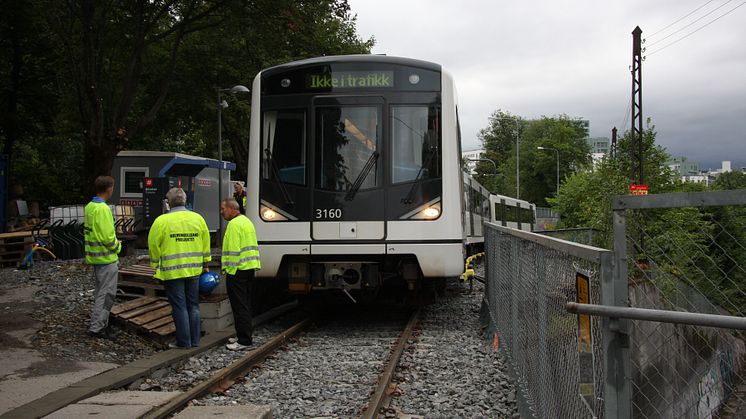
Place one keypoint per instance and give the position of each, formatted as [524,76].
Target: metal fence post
[616,340]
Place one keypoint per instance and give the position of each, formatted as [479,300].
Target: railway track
[380,399]
[223,380]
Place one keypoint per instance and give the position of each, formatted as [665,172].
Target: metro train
[354,174]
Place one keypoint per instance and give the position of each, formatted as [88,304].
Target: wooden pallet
[13,247]
[148,315]
[137,280]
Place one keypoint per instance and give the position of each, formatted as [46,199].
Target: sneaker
[232,340]
[173,345]
[235,346]
[103,334]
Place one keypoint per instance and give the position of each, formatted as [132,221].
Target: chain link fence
[530,277]
[685,252]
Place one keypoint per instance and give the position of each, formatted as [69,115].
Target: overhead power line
[689,24]
[679,19]
[696,30]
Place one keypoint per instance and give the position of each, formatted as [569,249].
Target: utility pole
[612,151]
[637,101]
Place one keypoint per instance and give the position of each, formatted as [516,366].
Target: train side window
[284,136]
[415,139]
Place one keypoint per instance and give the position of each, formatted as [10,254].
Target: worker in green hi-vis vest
[101,250]
[179,247]
[239,260]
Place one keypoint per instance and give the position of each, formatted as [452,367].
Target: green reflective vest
[101,244]
[240,249]
[179,245]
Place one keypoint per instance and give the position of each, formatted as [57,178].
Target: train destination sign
[351,80]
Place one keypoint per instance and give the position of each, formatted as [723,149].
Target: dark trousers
[239,292]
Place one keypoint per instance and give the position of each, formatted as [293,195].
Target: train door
[348,195]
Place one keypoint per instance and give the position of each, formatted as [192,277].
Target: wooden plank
[22,234]
[142,310]
[140,284]
[129,305]
[158,323]
[137,270]
[153,315]
[165,330]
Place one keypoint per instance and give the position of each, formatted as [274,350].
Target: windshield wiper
[361,177]
[407,200]
[278,179]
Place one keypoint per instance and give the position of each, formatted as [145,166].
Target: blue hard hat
[208,281]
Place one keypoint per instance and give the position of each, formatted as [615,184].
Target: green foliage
[683,248]
[538,168]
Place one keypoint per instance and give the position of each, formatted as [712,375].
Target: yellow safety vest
[101,244]
[240,249]
[179,245]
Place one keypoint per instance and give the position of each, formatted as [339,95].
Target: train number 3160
[329,213]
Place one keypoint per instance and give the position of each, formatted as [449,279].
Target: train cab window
[347,147]
[415,139]
[284,146]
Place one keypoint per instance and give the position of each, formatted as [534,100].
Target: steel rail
[119,377]
[225,377]
[379,396]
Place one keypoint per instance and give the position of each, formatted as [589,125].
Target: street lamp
[486,160]
[517,157]
[556,151]
[223,104]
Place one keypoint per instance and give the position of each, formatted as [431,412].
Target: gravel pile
[449,370]
[62,305]
[328,371]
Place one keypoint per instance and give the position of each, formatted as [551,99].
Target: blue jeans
[183,294]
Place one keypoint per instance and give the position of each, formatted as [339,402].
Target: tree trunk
[10,119]
[240,155]
[99,159]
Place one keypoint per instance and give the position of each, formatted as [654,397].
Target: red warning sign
[638,189]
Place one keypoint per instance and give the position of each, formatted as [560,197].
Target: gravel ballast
[61,306]
[449,370]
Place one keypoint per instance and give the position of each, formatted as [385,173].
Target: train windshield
[415,138]
[347,147]
[284,146]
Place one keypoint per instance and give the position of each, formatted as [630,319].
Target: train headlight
[431,213]
[414,78]
[268,214]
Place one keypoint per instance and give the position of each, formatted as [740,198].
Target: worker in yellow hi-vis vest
[179,246]
[240,258]
[101,251]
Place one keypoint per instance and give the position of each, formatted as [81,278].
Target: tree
[109,51]
[538,169]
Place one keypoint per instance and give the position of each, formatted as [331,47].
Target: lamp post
[556,151]
[223,104]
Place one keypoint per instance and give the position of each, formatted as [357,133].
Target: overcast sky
[536,58]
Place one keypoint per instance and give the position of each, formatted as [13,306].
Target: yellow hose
[468,270]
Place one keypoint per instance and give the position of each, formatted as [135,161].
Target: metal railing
[656,333]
